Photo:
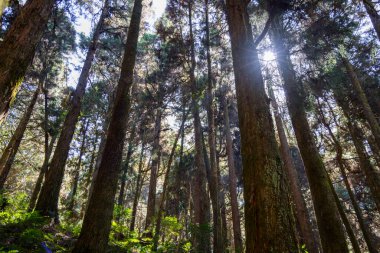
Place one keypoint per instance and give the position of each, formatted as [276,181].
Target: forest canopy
[190,126]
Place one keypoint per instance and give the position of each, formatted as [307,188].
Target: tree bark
[139,183]
[47,203]
[214,185]
[9,154]
[330,227]
[202,237]
[373,15]
[362,98]
[97,220]
[372,175]
[18,48]
[238,242]
[155,166]
[301,212]
[341,164]
[267,211]
[74,188]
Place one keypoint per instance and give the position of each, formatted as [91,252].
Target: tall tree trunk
[97,220]
[373,15]
[363,101]
[372,175]
[9,154]
[267,211]
[214,189]
[139,183]
[18,48]
[155,166]
[41,175]
[330,227]
[238,243]
[47,203]
[74,188]
[202,239]
[301,212]
[164,189]
[341,164]
[346,222]
[120,199]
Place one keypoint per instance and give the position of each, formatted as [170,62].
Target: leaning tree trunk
[214,185]
[202,237]
[363,101]
[372,175]
[373,15]
[329,224]
[18,48]
[75,183]
[341,164]
[97,220]
[10,151]
[306,231]
[47,203]
[238,243]
[268,214]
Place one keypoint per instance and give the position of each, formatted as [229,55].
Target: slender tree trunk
[164,189]
[155,166]
[18,48]
[214,189]
[120,199]
[373,14]
[301,212]
[362,98]
[330,227]
[139,183]
[202,239]
[238,243]
[97,220]
[372,175]
[47,203]
[9,154]
[74,188]
[267,211]
[341,164]
[41,175]
[346,222]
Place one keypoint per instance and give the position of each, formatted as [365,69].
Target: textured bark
[232,182]
[202,238]
[301,212]
[341,164]
[97,220]
[18,48]
[373,14]
[267,211]
[155,166]
[214,189]
[330,227]
[9,154]
[47,203]
[74,187]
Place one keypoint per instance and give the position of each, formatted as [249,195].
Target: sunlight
[158,7]
[269,56]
